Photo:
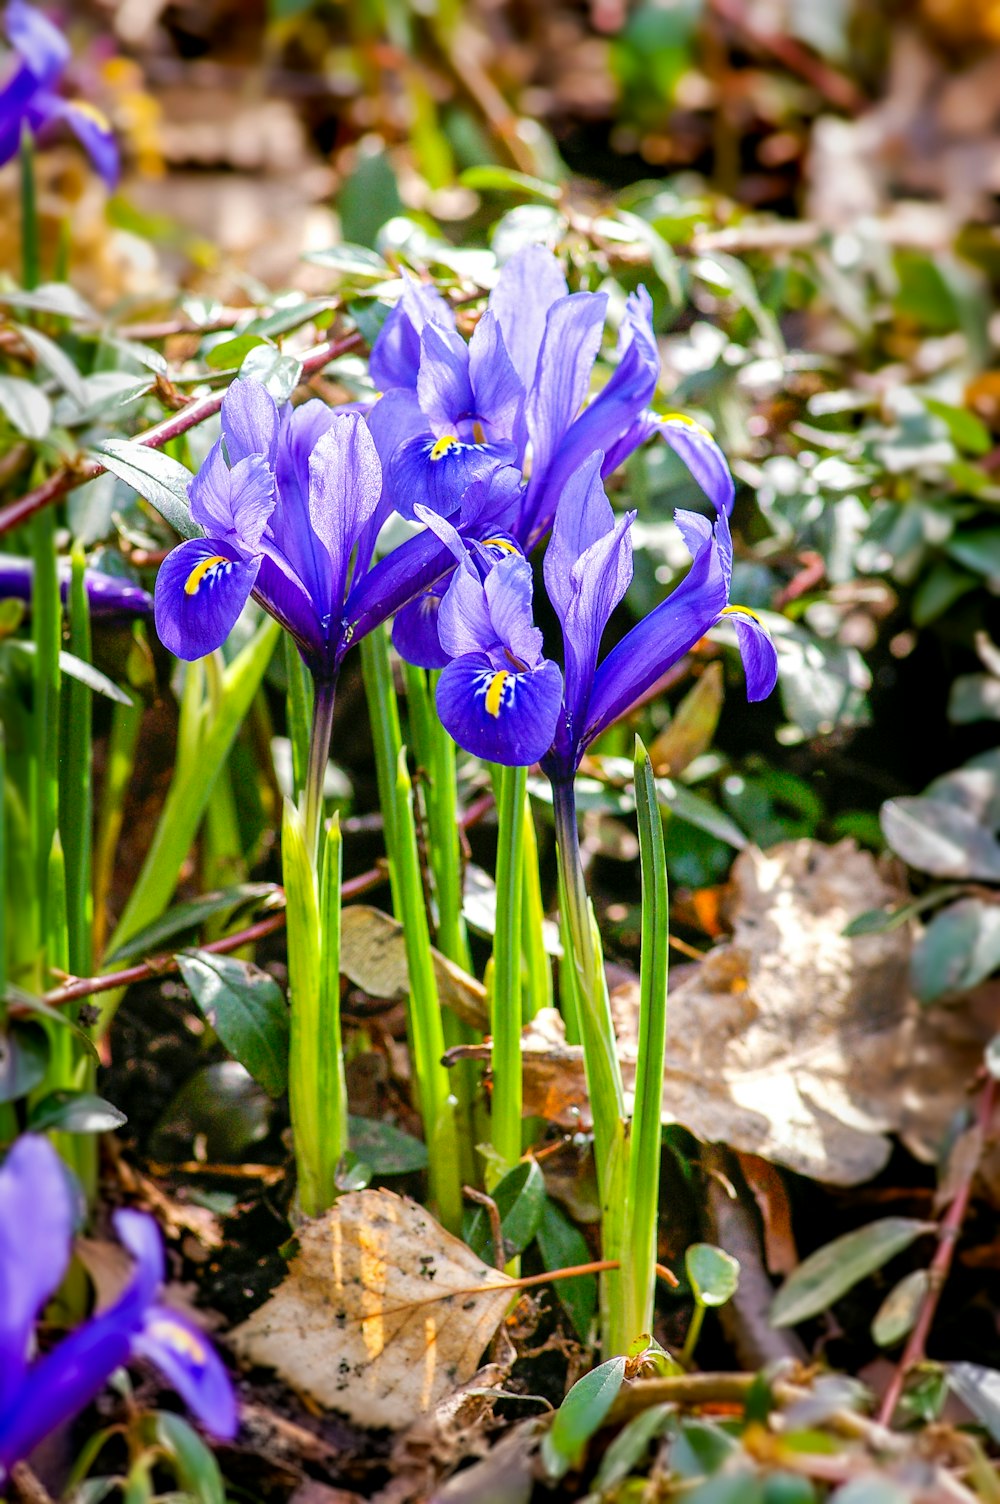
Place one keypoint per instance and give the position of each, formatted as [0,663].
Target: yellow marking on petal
[494,694]
[510,548]
[444,446]
[92,113]
[193,582]
[687,422]
[740,611]
[177,1337]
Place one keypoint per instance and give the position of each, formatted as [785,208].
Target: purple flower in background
[108,594]
[37,1212]
[28,99]
[502,700]
[286,501]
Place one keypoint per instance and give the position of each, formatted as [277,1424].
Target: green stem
[424,1014]
[76,794]
[46,630]
[600,1054]
[693,1333]
[30,257]
[319,755]
[538,982]
[298,711]
[642,1200]
[506,1019]
[383,716]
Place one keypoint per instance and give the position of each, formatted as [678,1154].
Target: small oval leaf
[896,1315]
[713,1274]
[580,1415]
[834,1269]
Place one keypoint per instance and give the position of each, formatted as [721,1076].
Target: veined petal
[528,285]
[91,128]
[233,502]
[438,472]
[703,457]
[191,1366]
[37,1213]
[345,483]
[444,389]
[760,660]
[497,393]
[464,623]
[508,589]
[415,631]
[201,589]
[630,388]
[500,715]
[395,357]
[249,421]
[283,594]
[566,358]
[42,48]
[657,642]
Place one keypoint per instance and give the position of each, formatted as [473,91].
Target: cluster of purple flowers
[37,1218]
[491,444]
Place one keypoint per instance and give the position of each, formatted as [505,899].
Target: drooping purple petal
[498,394]
[444,388]
[657,642]
[191,1366]
[249,421]
[499,714]
[566,358]
[107,594]
[234,503]
[528,285]
[37,1213]
[415,631]
[395,357]
[201,589]
[760,660]
[91,128]
[703,457]
[438,472]
[345,483]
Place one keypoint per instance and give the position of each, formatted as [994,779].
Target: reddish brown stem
[948,1232]
[190,415]
[835,87]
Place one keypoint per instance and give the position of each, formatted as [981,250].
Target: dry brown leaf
[382,1312]
[373,957]
[791,1041]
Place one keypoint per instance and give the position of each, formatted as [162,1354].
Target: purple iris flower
[287,500]
[28,99]
[37,1214]
[502,700]
[108,594]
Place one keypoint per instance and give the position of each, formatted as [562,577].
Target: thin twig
[81,470]
[951,1226]
[493,1213]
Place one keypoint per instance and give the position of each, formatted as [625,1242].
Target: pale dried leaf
[382,1312]
[373,957]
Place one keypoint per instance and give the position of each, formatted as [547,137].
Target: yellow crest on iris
[444,446]
[494,692]
[204,567]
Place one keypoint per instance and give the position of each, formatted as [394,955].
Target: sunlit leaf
[837,1267]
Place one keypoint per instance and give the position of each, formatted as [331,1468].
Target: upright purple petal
[588,568]
[566,358]
[444,389]
[201,589]
[41,46]
[299,432]
[508,589]
[528,285]
[249,421]
[37,1212]
[498,394]
[395,357]
[191,1366]
[345,483]
[233,502]
[500,715]
[464,621]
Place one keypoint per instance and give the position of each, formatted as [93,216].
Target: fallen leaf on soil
[382,1312]
[373,957]
[790,1041]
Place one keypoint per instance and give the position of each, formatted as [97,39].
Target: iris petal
[703,457]
[190,1365]
[42,48]
[500,715]
[440,483]
[37,1212]
[415,632]
[201,589]
[249,421]
[528,285]
[760,660]
[91,128]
